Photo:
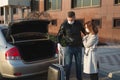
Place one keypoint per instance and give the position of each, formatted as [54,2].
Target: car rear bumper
[15,69]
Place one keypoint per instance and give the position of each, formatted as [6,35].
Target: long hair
[92,26]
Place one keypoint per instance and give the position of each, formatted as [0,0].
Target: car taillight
[56,53]
[18,74]
[56,50]
[12,54]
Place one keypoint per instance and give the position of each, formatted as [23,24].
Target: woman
[90,56]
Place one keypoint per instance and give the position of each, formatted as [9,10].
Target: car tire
[2,78]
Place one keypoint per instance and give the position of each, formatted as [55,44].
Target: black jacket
[71,33]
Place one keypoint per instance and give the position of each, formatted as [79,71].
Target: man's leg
[68,61]
[94,76]
[78,62]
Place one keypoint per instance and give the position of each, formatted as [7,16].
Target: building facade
[8,9]
[11,10]
[106,13]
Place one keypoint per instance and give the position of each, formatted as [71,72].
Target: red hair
[92,27]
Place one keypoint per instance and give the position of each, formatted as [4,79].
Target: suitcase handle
[61,56]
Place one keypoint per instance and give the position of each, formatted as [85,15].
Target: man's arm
[60,34]
[83,29]
[59,37]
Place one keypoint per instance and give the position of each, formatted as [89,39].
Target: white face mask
[87,30]
[70,22]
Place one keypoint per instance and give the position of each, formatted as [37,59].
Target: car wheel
[1,78]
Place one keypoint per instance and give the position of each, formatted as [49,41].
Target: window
[81,20]
[76,3]
[1,21]
[52,4]
[95,2]
[34,5]
[116,23]
[14,10]
[1,11]
[85,3]
[54,22]
[117,1]
[98,22]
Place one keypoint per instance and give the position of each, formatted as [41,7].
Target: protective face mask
[87,30]
[70,22]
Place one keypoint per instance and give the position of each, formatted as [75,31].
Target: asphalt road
[35,77]
[73,76]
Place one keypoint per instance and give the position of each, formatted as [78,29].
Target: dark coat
[71,33]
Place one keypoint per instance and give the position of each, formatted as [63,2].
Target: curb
[111,75]
[114,75]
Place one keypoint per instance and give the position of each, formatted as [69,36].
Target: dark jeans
[77,53]
[94,76]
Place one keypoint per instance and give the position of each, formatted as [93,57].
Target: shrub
[54,39]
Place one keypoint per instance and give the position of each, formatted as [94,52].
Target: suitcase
[56,71]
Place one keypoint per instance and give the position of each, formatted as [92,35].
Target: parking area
[35,77]
[73,76]
[109,57]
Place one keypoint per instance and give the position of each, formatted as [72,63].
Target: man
[71,30]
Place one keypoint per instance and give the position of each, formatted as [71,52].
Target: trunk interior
[36,50]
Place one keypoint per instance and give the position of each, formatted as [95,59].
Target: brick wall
[107,12]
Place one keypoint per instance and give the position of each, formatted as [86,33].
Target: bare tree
[38,15]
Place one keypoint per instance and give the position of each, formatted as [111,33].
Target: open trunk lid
[27,37]
[28,26]
[27,30]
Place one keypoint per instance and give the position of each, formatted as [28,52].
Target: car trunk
[30,37]
[36,50]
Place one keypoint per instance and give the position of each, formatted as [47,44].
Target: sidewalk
[109,60]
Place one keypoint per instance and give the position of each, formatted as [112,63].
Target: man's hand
[59,46]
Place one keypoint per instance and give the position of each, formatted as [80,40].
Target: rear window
[4,31]
[8,39]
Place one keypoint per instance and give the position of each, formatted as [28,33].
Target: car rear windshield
[4,31]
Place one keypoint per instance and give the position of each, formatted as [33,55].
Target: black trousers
[94,76]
